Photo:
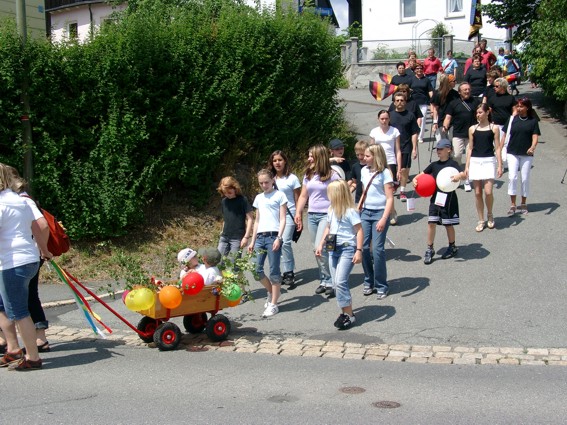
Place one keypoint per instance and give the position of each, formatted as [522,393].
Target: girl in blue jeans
[343,221]
[269,226]
[375,207]
[318,176]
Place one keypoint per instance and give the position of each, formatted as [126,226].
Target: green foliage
[547,49]
[382,52]
[172,94]
[519,13]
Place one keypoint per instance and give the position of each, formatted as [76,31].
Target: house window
[454,7]
[408,9]
[73,30]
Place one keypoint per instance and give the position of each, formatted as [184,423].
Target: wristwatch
[279,238]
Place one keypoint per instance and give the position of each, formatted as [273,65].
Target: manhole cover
[385,404]
[352,390]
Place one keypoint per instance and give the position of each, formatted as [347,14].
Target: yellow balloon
[144,298]
[130,300]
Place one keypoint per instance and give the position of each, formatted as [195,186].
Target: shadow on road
[101,350]
[374,313]
[473,251]
[411,285]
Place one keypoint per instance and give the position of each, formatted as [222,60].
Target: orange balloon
[170,297]
[234,303]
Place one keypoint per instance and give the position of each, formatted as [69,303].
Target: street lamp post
[25,117]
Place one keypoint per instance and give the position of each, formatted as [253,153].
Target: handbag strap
[286,207]
[363,197]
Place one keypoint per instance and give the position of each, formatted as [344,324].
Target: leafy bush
[170,95]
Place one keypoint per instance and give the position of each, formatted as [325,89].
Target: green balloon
[233,293]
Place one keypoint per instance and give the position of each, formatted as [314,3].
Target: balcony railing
[58,4]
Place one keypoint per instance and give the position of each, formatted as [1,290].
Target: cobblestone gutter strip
[439,354]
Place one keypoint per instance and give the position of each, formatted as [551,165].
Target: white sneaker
[420,140]
[271,310]
[268,300]
[468,187]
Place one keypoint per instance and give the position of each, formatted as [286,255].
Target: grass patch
[170,225]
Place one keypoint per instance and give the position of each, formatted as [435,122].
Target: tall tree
[547,48]
[518,13]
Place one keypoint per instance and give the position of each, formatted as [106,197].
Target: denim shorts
[14,288]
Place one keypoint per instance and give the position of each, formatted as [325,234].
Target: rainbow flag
[380,90]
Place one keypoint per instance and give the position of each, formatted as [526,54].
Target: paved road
[112,383]
[506,288]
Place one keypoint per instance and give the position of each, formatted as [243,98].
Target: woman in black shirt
[523,138]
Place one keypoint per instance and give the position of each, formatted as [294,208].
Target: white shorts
[482,168]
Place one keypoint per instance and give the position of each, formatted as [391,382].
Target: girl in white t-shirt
[389,138]
[267,239]
[375,209]
[288,183]
[343,221]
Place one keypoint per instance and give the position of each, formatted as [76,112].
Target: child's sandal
[490,221]
[480,226]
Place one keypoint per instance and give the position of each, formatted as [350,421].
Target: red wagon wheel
[168,336]
[218,328]
[147,326]
[195,323]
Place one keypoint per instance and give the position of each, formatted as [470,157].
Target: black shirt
[421,88]
[410,106]
[406,123]
[477,79]
[355,174]
[483,143]
[442,108]
[521,134]
[401,79]
[234,214]
[462,115]
[501,105]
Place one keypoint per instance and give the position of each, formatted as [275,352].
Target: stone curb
[438,354]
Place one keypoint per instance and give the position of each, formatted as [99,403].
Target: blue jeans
[340,262]
[288,262]
[14,287]
[263,248]
[375,275]
[316,222]
[433,79]
[228,246]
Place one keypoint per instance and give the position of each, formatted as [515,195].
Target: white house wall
[382,20]
[83,16]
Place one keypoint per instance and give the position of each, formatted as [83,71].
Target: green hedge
[166,96]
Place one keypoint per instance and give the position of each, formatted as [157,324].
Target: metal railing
[57,4]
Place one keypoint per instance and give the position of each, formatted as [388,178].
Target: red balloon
[192,284]
[425,185]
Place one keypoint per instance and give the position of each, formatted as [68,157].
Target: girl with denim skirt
[288,183]
[343,224]
[269,226]
[318,176]
[375,209]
